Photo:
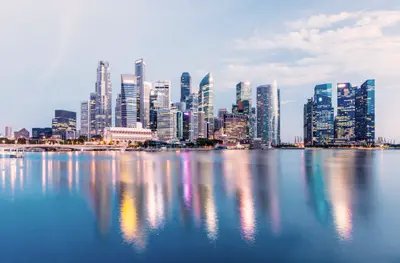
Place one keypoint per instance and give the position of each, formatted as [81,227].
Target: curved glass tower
[206,103]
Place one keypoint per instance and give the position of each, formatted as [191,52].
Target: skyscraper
[92,112]
[346,113]
[235,127]
[243,92]
[129,90]
[8,132]
[192,108]
[140,72]
[365,112]
[308,127]
[64,124]
[118,117]
[145,105]
[186,86]
[268,118]
[163,90]
[103,97]
[165,124]
[323,115]
[85,118]
[206,103]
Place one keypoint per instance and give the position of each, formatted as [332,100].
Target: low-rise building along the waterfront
[127,135]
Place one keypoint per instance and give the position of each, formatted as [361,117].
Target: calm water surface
[226,206]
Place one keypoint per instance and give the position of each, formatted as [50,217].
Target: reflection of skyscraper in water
[313,164]
[266,170]
[340,192]
[185,188]
[364,171]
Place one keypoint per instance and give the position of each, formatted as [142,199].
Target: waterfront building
[201,125]
[166,125]
[346,113]
[125,136]
[8,132]
[206,103]
[323,116]
[163,91]
[129,90]
[192,109]
[85,118]
[92,111]
[42,133]
[179,125]
[23,133]
[308,127]
[118,111]
[365,112]
[145,104]
[253,123]
[103,97]
[186,86]
[186,125]
[235,127]
[140,72]
[64,124]
[268,118]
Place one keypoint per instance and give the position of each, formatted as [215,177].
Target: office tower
[192,108]
[243,92]
[222,112]
[165,125]
[252,124]
[268,119]
[85,118]
[153,109]
[163,89]
[64,124]
[8,132]
[235,109]
[140,72]
[323,116]
[103,97]
[118,117]
[145,104]
[42,133]
[206,103]
[202,126]
[179,125]
[235,127]
[346,113]
[129,90]
[181,106]
[186,125]
[308,126]
[186,86]
[365,112]
[92,118]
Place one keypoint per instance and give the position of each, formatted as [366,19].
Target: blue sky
[50,50]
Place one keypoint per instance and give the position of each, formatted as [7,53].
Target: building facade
[186,86]
[365,113]
[23,133]
[8,132]
[129,90]
[64,124]
[118,111]
[323,115]
[166,124]
[85,119]
[92,111]
[103,97]
[308,122]
[346,113]
[235,127]
[140,72]
[268,118]
[42,133]
[206,104]
[243,92]
[127,135]
[145,104]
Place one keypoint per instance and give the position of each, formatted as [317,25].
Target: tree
[21,140]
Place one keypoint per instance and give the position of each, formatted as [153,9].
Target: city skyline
[327,43]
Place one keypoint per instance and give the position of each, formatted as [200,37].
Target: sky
[50,50]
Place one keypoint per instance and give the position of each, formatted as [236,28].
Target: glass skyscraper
[243,92]
[92,111]
[323,115]
[186,86]
[63,123]
[103,97]
[346,113]
[365,112]
[308,127]
[206,104]
[85,118]
[268,118]
[118,117]
[128,101]
[140,72]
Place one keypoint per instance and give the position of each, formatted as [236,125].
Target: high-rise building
[365,112]
[222,112]
[201,125]
[92,118]
[186,86]
[346,113]
[268,118]
[165,125]
[243,92]
[140,72]
[163,90]
[145,104]
[64,124]
[192,108]
[252,124]
[8,132]
[235,127]
[85,118]
[103,97]
[186,125]
[129,90]
[206,103]
[323,115]
[308,127]
[118,111]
